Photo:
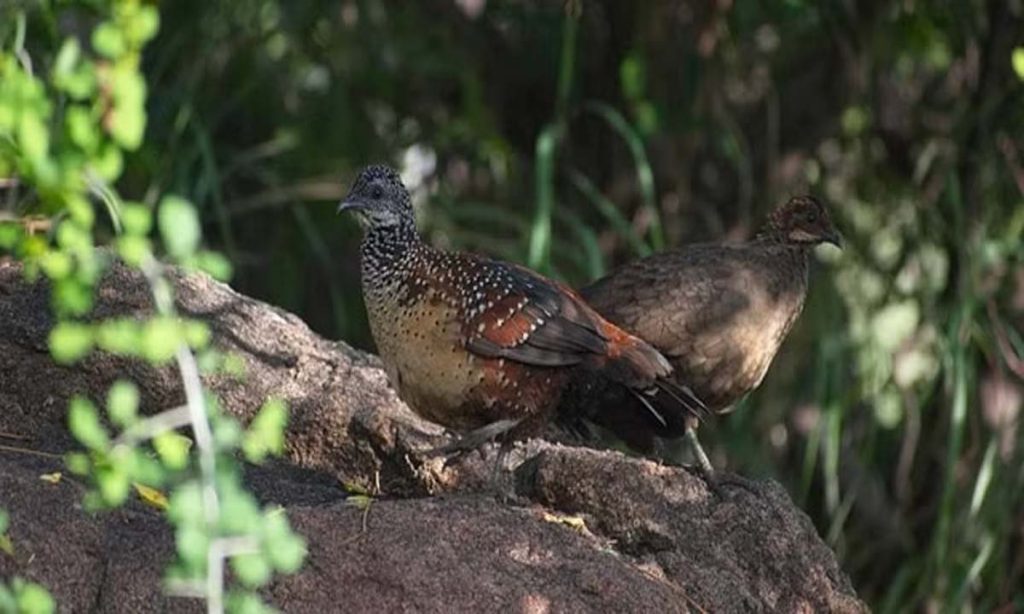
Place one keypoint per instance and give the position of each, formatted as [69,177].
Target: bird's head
[379,199]
[804,221]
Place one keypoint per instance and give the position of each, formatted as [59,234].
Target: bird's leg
[473,440]
[713,479]
[703,462]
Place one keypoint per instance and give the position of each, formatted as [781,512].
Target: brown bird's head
[803,221]
[379,199]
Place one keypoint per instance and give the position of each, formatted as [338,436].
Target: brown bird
[718,312]
[479,346]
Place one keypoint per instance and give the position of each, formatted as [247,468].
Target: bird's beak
[350,203]
[834,238]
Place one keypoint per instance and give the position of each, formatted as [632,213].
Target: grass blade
[644,173]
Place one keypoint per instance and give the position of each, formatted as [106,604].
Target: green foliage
[23,597]
[65,135]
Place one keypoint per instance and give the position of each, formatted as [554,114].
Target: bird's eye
[376,192]
[812,216]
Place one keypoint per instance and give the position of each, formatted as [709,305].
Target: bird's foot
[718,482]
[472,441]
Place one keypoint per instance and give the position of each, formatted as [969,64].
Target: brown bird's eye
[377,192]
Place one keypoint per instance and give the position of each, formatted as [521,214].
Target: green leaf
[108,40]
[78,463]
[108,163]
[70,341]
[252,570]
[4,521]
[56,264]
[287,554]
[893,324]
[80,211]
[10,235]
[136,218]
[197,334]
[214,264]
[127,125]
[240,514]
[33,599]
[161,337]
[145,24]
[67,57]
[119,336]
[84,422]
[192,544]
[173,449]
[1017,59]
[123,402]
[114,484]
[33,137]
[266,432]
[186,504]
[82,128]
[179,226]
[239,602]
[226,432]
[134,249]
[72,297]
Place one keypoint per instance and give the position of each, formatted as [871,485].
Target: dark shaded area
[655,539]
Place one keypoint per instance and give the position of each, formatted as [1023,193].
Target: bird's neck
[384,248]
[796,254]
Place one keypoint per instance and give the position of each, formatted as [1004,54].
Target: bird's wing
[529,319]
[671,298]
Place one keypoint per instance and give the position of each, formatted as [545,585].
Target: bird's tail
[631,361]
[647,374]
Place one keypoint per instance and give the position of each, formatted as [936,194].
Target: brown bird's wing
[672,298]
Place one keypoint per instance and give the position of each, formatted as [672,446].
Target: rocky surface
[586,530]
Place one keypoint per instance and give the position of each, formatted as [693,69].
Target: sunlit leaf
[1017,59]
[113,484]
[239,602]
[123,402]
[52,478]
[136,218]
[286,554]
[119,335]
[192,544]
[266,432]
[70,341]
[214,264]
[161,337]
[179,226]
[173,449]
[151,496]
[108,40]
[33,599]
[252,570]
[84,422]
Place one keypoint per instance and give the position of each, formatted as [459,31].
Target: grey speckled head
[379,199]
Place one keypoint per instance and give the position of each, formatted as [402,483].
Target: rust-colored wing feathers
[543,323]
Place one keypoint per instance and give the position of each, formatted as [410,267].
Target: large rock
[652,538]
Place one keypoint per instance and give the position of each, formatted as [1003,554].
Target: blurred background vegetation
[576,135]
